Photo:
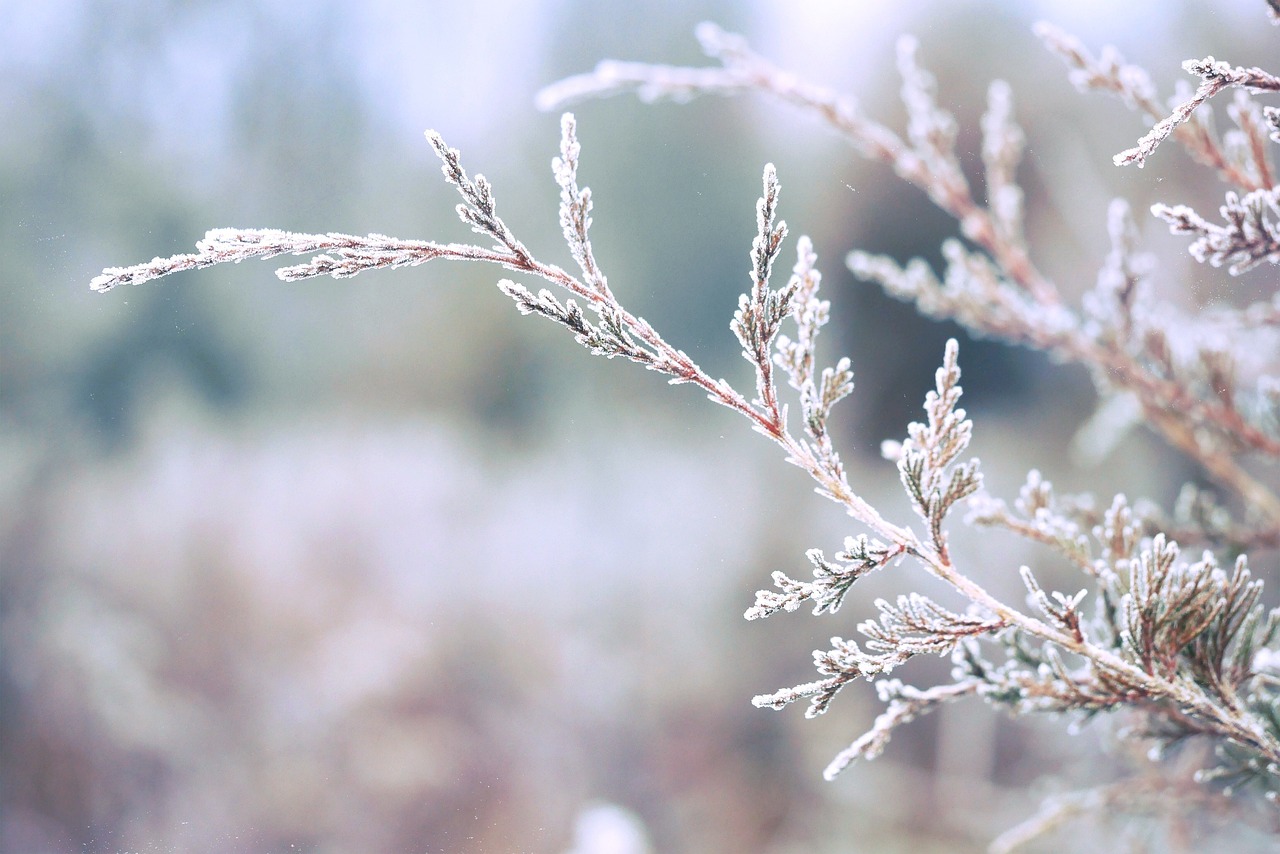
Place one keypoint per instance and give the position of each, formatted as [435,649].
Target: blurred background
[379,565]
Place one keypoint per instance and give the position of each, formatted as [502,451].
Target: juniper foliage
[1179,642]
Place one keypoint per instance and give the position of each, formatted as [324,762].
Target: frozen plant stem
[1187,648]
[613,337]
[351,255]
[1020,303]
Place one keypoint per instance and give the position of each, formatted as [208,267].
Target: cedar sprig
[761,311]
[1249,235]
[974,292]
[478,208]
[346,255]
[818,395]
[1003,142]
[1247,144]
[575,206]
[1037,516]
[831,580]
[1060,609]
[913,625]
[1215,75]
[1112,305]
[927,459]
[1035,679]
[1109,73]
[904,703]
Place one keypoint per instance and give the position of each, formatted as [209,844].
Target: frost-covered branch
[1215,76]
[1185,646]
[1250,235]
[349,255]
[996,291]
[1109,73]
[926,159]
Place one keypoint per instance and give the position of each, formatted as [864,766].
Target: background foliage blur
[378,565]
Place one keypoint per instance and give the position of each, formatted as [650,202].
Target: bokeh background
[379,565]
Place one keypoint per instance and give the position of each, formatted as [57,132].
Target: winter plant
[1167,626]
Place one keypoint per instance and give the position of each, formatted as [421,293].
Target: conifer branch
[1183,645]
